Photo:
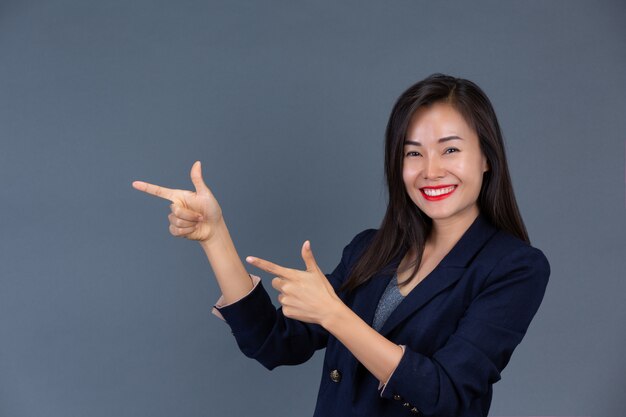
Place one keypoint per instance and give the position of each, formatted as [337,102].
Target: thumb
[307,255]
[196,178]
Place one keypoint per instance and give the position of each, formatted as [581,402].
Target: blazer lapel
[446,273]
[365,300]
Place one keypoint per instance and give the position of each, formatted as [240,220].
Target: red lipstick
[438,197]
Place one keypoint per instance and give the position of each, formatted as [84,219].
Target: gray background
[104,313]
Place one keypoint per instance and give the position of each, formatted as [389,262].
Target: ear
[486,166]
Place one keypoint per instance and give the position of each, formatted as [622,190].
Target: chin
[438,216]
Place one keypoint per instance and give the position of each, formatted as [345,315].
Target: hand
[195,215]
[305,295]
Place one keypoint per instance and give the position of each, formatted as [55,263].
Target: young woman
[421,316]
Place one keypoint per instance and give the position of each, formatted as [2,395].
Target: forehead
[438,120]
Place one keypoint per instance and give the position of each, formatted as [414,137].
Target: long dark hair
[405,225]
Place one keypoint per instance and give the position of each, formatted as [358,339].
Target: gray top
[388,302]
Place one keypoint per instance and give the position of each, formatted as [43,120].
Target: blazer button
[397,397]
[415,410]
[335,375]
[406,405]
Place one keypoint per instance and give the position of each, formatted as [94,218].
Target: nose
[433,168]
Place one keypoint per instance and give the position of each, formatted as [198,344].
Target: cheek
[408,175]
[409,182]
[469,171]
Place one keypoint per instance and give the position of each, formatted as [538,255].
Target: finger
[270,267]
[156,190]
[178,222]
[185,213]
[307,255]
[277,283]
[196,178]
[180,231]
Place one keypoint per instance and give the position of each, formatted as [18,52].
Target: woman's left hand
[305,295]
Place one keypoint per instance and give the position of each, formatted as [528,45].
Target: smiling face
[443,165]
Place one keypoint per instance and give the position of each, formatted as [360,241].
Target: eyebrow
[447,138]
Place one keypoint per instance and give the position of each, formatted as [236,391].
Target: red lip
[438,197]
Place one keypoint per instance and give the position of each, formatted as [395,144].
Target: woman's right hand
[195,215]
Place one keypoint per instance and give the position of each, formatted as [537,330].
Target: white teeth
[434,193]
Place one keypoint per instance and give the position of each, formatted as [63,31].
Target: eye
[451,149]
[411,153]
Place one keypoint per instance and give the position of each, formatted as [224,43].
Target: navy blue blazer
[460,326]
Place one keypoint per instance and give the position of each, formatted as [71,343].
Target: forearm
[231,275]
[377,353]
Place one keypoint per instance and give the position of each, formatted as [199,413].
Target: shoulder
[511,256]
[358,244]
[516,248]
[364,236]
[362,239]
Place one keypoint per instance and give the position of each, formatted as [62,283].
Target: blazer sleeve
[220,301]
[473,357]
[264,333]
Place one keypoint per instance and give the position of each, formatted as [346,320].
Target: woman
[421,316]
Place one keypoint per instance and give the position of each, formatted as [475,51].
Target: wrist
[335,314]
[219,237]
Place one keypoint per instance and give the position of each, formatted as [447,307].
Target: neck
[445,233]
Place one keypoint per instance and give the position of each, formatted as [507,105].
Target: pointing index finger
[270,267]
[155,190]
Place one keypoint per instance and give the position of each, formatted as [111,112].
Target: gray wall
[104,313]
